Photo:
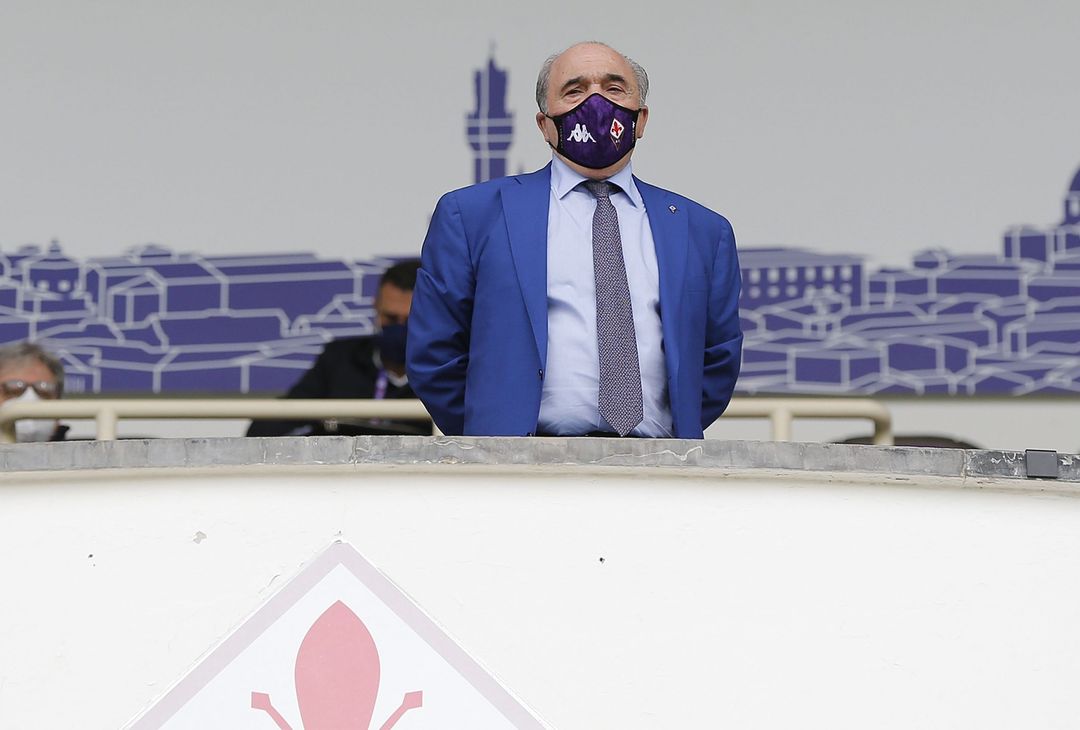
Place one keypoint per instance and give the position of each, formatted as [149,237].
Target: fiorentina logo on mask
[616,131]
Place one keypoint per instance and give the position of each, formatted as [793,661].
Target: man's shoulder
[489,191]
[697,212]
[677,199]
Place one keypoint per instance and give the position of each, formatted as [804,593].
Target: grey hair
[544,76]
[17,352]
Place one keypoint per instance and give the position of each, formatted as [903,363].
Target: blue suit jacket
[478,325]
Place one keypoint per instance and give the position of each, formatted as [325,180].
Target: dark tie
[620,374]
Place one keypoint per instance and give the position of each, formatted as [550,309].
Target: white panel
[620,598]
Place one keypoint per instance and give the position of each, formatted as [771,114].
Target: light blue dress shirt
[568,402]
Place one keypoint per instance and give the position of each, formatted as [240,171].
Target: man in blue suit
[577,300]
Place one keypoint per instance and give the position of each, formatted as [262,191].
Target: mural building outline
[157,320]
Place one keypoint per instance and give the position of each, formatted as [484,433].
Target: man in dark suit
[361,367]
[577,300]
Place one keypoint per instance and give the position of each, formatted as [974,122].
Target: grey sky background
[241,126]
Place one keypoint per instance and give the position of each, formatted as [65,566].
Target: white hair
[20,352]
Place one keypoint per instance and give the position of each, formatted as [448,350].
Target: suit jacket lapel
[670,227]
[525,205]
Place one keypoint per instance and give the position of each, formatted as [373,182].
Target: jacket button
[541,374]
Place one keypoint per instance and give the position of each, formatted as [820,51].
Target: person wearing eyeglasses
[28,372]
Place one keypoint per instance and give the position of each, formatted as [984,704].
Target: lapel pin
[672,209]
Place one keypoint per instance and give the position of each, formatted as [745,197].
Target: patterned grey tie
[620,374]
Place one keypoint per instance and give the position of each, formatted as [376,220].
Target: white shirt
[569,398]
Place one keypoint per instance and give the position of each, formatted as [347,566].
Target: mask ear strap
[558,132]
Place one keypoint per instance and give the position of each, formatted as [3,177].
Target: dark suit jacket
[345,369]
[478,325]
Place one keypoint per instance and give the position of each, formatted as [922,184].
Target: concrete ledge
[594,452]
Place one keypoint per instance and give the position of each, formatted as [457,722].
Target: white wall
[724,600]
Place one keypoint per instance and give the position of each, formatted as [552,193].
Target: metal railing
[107,412]
[782,411]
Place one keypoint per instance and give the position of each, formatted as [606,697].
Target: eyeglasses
[15,388]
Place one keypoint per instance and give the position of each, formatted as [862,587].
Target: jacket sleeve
[723,336]
[313,384]
[438,342]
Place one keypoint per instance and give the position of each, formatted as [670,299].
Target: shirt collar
[564,179]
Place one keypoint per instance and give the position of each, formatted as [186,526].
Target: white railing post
[883,435]
[106,420]
[781,424]
[7,432]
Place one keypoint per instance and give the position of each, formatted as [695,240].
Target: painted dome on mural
[1075,187]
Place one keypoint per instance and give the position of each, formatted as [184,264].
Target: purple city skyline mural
[1006,322]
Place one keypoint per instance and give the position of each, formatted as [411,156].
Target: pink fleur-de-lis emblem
[337,677]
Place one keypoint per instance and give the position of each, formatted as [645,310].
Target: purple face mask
[596,133]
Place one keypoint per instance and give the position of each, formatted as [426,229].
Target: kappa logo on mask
[581,134]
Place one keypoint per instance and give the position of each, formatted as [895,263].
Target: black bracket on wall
[1041,464]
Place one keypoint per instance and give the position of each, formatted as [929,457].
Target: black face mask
[391,341]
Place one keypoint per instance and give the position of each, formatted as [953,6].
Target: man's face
[392,305]
[577,74]
[30,372]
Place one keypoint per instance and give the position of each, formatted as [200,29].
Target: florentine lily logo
[362,655]
[616,131]
[580,134]
[337,677]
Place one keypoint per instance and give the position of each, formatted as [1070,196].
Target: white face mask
[32,429]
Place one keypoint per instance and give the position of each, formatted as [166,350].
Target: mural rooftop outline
[157,320]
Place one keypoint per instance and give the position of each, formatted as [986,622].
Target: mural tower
[490,127]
